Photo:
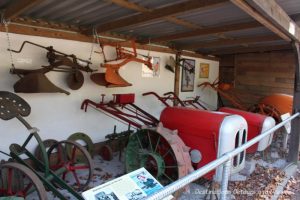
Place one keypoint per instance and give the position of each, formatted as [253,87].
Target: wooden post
[293,155]
[177,76]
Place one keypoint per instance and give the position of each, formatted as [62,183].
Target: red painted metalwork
[123,108]
[112,76]
[172,97]
[197,129]
[255,123]
[282,102]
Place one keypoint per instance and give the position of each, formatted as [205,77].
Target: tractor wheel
[161,152]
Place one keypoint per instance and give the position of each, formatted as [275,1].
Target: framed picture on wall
[188,75]
[148,73]
[204,70]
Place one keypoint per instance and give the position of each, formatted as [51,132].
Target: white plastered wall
[58,115]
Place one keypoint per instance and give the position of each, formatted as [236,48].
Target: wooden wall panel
[260,74]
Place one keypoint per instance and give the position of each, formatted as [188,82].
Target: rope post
[225,179]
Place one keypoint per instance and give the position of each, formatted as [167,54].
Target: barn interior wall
[58,115]
[256,75]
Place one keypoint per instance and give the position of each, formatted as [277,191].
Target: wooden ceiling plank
[18,7]
[208,31]
[256,15]
[158,14]
[236,41]
[251,49]
[273,12]
[76,36]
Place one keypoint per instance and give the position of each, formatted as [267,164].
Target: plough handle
[50,48]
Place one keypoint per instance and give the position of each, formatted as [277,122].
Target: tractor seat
[11,106]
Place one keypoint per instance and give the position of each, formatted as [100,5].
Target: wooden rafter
[158,14]
[236,41]
[18,7]
[251,49]
[258,16]
[207,31]
[142,9]
[277,16]
[24,29]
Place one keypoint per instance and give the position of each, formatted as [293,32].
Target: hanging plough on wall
[112,77]
[35,80]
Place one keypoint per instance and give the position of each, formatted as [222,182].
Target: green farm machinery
[29,177]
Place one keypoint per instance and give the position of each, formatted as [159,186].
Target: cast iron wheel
[88,143]
[266,110]
[78,164]
[106,152]
[162,153]
[75,80]
[38,152]
[18,180]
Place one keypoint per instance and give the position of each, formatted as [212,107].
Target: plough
[171,97]
[274,105]
[122,107]
[35,80]
[112,78]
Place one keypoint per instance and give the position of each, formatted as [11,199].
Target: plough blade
[36,83]
[113,77]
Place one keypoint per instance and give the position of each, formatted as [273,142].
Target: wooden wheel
[18,180]
[78,165]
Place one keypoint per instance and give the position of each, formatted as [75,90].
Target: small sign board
[135,185]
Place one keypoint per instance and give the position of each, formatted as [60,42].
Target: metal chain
[6,23]
[92,47]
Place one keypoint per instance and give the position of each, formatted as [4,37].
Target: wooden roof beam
[207,31]
[251,49]
[157,14]
[18,7]
[139,8]
[236,41]
[277,16]
[259,17]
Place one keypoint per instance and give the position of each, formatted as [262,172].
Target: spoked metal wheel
[161,152]
[38,151]
[18,180]
[78,165]
[266,110]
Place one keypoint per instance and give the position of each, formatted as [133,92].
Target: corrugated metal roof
[224,14]
[151,29]
[250,32]
[94,13]
[154,4]
[88,12]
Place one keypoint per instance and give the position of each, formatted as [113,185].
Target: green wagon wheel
[149,149]
[78,165]
[84,138]
[18,180]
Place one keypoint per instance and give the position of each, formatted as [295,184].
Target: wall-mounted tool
[112,77]
[35,80]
